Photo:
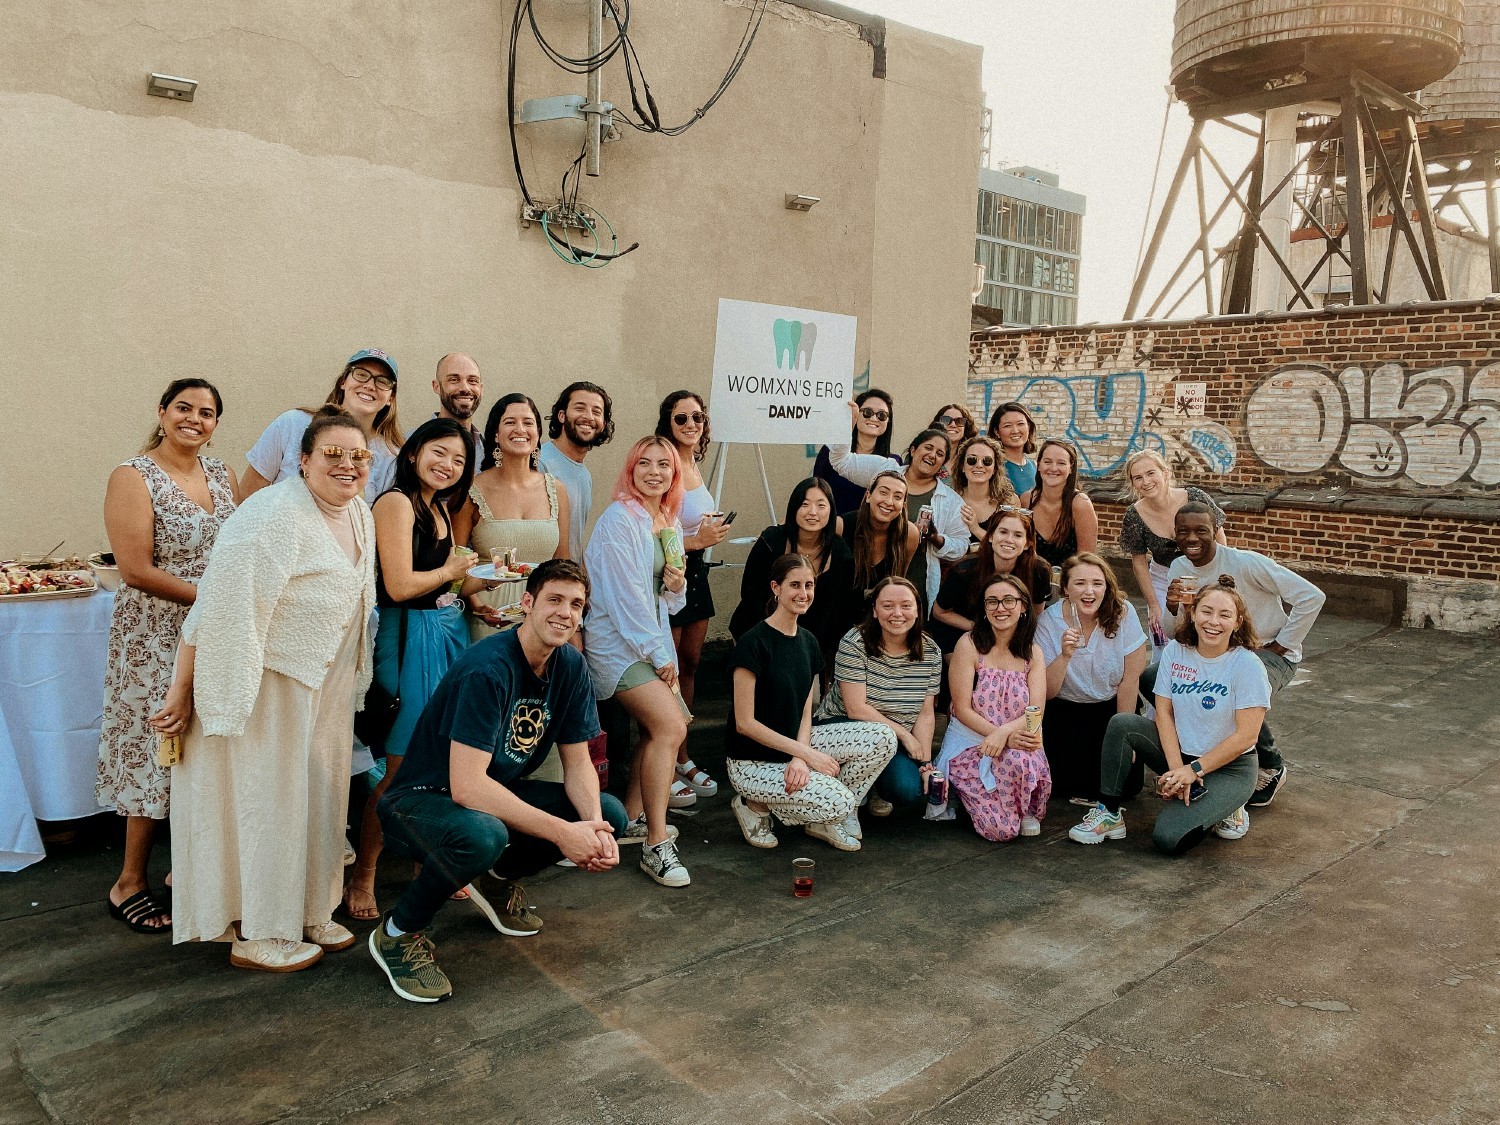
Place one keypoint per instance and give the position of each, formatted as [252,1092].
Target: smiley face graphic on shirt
[528,722]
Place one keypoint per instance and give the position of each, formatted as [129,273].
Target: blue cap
[375,353]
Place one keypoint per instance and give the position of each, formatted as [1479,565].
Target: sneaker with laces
[409,964]
[635,831]
[1267,784]
[879,806]
[755,827]
[1234,826]
[832,833]
[274,955]
[661,863]
[329,936]
[1097,826]
[1031,826]
[503,902]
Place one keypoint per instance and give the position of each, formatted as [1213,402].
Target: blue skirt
[434,640]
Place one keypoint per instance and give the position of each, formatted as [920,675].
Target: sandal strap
[142,907]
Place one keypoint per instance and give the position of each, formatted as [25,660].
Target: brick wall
[1355,441]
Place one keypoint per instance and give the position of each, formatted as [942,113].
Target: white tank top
[695,505]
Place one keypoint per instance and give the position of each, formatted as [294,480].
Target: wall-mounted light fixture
[168,86]
[800,202]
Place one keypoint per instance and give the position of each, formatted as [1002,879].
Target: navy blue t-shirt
[492,700]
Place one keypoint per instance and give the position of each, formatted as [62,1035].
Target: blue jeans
[900,782]
[455,845]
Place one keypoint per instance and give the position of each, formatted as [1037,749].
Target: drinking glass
[1074,620]
[802,877]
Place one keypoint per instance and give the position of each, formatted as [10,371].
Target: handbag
[372,726]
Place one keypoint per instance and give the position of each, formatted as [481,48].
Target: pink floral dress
[143,635]
[1022,781]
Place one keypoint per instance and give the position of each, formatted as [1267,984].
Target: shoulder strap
[550,483]
[478,497]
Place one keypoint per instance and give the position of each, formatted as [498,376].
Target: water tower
[1326,79]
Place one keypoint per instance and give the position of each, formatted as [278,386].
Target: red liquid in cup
[802,886]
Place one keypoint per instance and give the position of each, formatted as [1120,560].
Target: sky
[1076,87]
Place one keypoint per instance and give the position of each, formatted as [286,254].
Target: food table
[52,657]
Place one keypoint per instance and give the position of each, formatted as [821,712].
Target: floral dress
[999,791]
[143,635]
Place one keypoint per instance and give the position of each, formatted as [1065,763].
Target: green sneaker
[503,902]
[409,965]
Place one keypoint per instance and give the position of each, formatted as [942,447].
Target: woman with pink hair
[638,582]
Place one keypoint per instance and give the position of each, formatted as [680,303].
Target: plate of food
[506,572]
[20,581]
[512,614]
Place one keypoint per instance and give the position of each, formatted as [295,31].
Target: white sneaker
[328,936]
[832,833]
[635,831]
[661,863]
[1234,826]
[1031,826]
[879,806]
[851,826]
[274,955]
[755,827]
[1100,824]
[682,796]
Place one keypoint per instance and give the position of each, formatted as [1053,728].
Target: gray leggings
[1131,738]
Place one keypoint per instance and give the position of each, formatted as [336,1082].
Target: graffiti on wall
[1108,406]
[1439,427]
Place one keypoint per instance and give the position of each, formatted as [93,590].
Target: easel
[716,477]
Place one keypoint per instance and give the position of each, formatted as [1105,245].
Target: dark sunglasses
[696,416]
[867,413]
[951,419]
[978,461]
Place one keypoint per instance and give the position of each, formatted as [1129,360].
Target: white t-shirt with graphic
[1207,692]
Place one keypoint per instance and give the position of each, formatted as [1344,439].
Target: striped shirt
[894,685]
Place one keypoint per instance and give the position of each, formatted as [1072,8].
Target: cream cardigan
[276,597]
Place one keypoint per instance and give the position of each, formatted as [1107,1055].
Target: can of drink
[937,788]
[1158,635]
[1033,719]
[671,546]
[458,583]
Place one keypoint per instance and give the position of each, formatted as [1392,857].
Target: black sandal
[140,909]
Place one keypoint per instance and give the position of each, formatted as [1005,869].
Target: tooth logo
[794,340]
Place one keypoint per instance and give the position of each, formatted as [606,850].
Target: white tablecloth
[52,657]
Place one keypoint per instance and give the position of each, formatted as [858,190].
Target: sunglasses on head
[696,416]
[869,412]
[1022,514]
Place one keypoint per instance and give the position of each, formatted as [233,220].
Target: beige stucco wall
[344,179]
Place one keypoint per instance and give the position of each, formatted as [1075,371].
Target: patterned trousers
[862,751]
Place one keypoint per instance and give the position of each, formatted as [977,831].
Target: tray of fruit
[39,579]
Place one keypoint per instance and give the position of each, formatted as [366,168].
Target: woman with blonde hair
[1147,532]
[628,639]
[1212,694]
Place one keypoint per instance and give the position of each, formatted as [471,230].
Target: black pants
[455,845]
[1073,736]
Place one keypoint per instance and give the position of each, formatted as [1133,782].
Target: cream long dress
[258,819]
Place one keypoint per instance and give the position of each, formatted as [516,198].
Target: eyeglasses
[361,376]
[951,419]
[978,462]
[696,416]
[871,414]
[337,453]
[1010,601]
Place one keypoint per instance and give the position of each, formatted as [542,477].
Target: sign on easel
[782,375]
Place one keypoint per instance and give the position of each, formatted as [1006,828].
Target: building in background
[1028,237]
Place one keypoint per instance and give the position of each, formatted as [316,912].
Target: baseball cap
[375,353]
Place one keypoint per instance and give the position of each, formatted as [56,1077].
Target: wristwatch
[1196,766]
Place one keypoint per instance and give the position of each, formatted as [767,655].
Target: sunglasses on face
[1010,601]
[337,453]
[951,420]
[697,417]
[870,414]
[361,376]
[979,462]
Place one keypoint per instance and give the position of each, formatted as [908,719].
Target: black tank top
[427,553]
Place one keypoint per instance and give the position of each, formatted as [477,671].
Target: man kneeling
[463,805]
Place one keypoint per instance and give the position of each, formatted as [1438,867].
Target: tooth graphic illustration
[805,345]
[786,334]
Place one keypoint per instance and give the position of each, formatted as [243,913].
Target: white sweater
[1267,588]
[628,620]
[276,596]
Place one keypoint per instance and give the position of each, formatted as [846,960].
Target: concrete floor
[1340,963]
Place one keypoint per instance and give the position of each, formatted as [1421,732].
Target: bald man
[460,388]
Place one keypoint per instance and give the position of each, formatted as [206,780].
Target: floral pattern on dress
[143,636]
[1023,778]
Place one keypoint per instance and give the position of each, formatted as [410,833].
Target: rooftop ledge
[1479,509]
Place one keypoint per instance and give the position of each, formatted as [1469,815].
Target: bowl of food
[106,573]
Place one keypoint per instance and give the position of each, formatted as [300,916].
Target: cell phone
[729,519]
[1196,790]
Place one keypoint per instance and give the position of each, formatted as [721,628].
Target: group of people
[958,584]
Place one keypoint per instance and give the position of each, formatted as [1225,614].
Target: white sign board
[782,376]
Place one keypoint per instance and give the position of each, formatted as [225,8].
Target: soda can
[1158,636]
[671,546]
[1033,719]
[937,788]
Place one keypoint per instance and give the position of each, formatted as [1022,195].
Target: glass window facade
[1030,255]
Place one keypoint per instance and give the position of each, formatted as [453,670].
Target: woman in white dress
[275,657]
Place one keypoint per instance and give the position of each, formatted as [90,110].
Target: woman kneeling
[778,762]
[1211,696]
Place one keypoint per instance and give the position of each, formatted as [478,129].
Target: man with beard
[582,419]
[460,389]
